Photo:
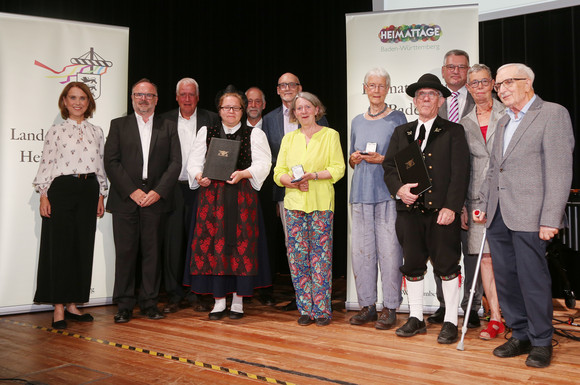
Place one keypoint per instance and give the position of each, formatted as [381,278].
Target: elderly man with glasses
[428,223]
[456,106]
[524,196]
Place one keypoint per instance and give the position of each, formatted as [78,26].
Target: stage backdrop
[38,56]
[407,43]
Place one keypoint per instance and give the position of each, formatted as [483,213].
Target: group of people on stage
[508,161]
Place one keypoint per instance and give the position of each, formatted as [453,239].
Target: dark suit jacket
[469,104]
[273,127]
[447,158]
[124,163]
[204,117]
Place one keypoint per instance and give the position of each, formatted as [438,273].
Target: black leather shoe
[236,315]
[266,299]
[387,319]
[540,356]
[474,321]
[366,314]
[200,306]
[322,321]
[411,327]
[291,306]
[217,315]
[570,299]
[437,317]
[448,334]
[305,320]
[153,313]
[78,317]
[171,308]
[122,316]
[513,347]
[60,325]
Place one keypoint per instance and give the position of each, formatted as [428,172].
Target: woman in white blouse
[72,184]
[228,245]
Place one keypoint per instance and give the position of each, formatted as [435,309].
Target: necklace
[484,111]
[377,114]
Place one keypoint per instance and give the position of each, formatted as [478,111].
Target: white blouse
[261,156]
[71,148]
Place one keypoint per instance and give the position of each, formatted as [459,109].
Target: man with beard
[143,160]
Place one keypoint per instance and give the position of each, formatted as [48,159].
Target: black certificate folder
[412,169]
[221,158]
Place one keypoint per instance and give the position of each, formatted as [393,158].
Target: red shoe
[493,329]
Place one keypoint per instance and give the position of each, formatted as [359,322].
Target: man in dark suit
[276,124]
[428,224]
[524,194]
[142,160]
[189,119]
[456,106]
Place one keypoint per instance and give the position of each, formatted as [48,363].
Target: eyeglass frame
[231,108]
[290,85]
[431,94]
[373,86]
[452,67]
[510,82]
[478,82]
[146,95]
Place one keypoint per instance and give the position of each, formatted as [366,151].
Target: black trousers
[137,233]
[67,241]
[176,241]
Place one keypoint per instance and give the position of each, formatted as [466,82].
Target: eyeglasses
[431,94]
[452,67]
[306,107]
[291,85]
[230,108]
[508,83]
[373,86]
[476,83]
[141,95]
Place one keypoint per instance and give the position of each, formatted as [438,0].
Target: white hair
[187,81]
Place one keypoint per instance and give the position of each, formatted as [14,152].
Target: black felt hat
[428,81]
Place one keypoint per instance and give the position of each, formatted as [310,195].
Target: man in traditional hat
[428,224]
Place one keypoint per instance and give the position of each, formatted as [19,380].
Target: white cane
[471,294]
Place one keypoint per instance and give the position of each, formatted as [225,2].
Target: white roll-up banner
[407,43]
[38,57]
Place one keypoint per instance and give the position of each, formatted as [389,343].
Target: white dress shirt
[288,127]
[428,124]
[186,131]
[145,130]
[461,100]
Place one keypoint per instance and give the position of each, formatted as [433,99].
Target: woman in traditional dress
[225,237]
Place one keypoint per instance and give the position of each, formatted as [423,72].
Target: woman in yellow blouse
[310,161]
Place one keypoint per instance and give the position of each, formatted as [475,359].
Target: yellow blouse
[322,153]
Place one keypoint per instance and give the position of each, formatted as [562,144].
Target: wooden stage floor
[266,346]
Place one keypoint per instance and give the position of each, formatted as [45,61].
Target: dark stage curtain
[252,43]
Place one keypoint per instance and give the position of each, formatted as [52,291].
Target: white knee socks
[219,305]
[415,295]
[451,296]
[237,304]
